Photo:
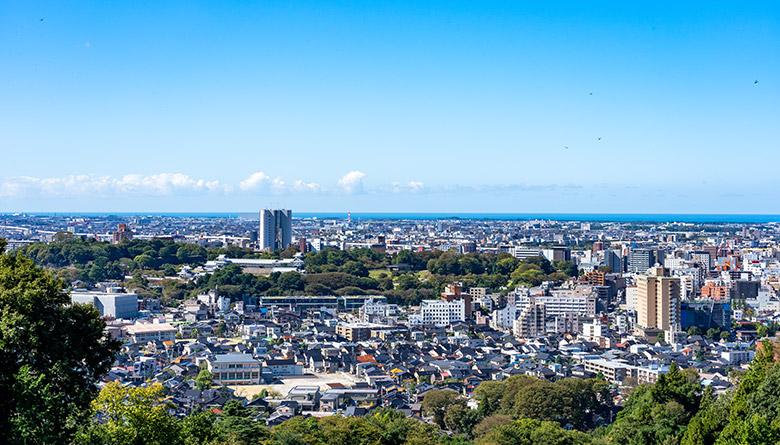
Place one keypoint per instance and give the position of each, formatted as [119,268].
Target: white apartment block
[563,302]
[440,313]
[504,319]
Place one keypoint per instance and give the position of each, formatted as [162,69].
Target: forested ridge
[328,272]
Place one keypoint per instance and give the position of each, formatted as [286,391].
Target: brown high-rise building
[595,278]
[303,246]
[658,300]
[122,232]
[455,292]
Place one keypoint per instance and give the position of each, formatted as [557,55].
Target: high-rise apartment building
[532,321]
[614,260]
[275,229]
[658,300]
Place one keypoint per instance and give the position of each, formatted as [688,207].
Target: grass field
[375,273]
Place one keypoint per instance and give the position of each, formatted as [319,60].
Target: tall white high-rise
[275,229]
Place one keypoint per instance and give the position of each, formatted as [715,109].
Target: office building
[557,254]
[658,300]
[639,260]
[275,229]
[705,314]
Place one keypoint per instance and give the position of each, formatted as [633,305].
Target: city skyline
[443,107]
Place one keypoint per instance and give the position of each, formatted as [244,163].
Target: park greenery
[150,268]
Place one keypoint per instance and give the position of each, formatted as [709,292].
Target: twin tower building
[275,229]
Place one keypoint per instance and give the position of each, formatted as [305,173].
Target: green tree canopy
[51,354]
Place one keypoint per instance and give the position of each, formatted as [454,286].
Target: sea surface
[356,216]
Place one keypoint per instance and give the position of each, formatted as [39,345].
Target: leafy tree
[436,402]
[204,380]
[568,268]
[460,419]
[144,261]
[489,423]
[355,268]
[198,428]
[660,337]
[235,424]
[533,432]
[489,395]
[658,413]
[296,431]
[130,416]
[544,264]
[291,281]
[694,330]
[705,427]
[408,281]
[191,253]
[51,354]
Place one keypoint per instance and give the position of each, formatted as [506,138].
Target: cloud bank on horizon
[174,184]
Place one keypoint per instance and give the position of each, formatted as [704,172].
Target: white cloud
[352,182]
[407,187]
[254,181]
[278,185]
[300,186]
[102,185]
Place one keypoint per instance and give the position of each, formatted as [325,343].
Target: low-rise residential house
[283,367]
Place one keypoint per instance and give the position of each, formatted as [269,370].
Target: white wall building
[504,319]
[440,313]
[113,303]
[562,302]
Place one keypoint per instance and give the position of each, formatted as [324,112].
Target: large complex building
[235,369]
[299,303]
[275,229]
[439,313]
[146,332]
[580,300]
[658,300]
[113,303]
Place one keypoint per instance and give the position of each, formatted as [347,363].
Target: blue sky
[390,106]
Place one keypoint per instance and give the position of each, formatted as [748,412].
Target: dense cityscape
[448,222]
[459,325]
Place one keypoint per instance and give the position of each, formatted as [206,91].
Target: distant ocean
[618,217]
